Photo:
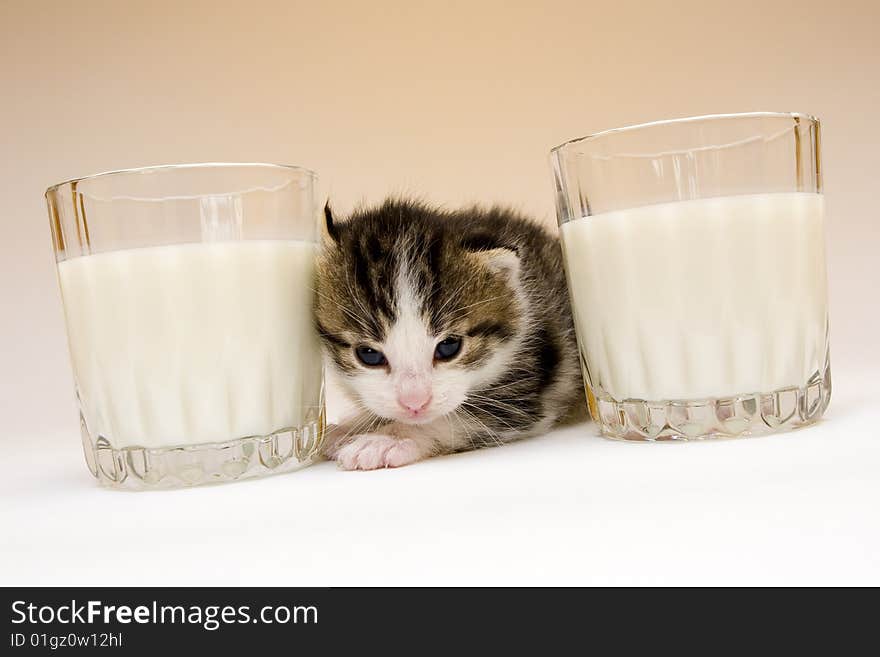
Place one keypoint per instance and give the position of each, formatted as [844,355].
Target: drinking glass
[695,258]
[187,294]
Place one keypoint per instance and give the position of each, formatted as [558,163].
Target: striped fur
[401,277]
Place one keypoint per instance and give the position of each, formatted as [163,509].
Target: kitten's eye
[447,348]
[369,356]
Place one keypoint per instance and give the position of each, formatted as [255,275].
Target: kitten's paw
[372,451]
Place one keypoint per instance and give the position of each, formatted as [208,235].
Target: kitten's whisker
[454,415]
[455,318]
[488,403]
[476,303]
[482,408]
[357,298]
[453,434]
[491,398]
[464,427]
[365,422]
[493,416]
[527,375]
[458,291]
[491,434]
[359,320]
[347,311]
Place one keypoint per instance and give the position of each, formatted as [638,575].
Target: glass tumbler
[187,294]
[695,258]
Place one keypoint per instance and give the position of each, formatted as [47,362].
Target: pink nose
[414,400]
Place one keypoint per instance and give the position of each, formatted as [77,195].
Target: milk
[704,298]
[193,343]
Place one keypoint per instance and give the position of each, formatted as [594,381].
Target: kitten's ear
[493,253]
[332,228]
[502,261]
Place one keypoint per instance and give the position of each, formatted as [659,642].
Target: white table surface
[568,508]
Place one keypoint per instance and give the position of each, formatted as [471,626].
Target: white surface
[239,345]
[704,298]
[569,508]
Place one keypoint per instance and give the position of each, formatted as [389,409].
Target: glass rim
[190,165]
[684,119]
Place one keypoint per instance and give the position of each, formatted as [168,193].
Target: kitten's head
[417,309]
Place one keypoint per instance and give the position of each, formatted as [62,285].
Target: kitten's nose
[415,400]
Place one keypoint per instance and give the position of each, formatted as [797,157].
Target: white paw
[373,450]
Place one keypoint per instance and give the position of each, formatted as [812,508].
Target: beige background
[454,101]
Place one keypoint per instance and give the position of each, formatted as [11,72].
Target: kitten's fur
[401,277]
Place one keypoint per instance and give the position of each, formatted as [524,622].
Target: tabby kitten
[450,330]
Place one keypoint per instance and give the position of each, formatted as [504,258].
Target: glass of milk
[695,257]
[187,294]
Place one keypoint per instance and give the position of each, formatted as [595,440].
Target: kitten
[450,330]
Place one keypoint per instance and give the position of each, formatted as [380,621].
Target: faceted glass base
[723,417]
[141,468]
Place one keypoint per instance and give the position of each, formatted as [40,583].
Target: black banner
[158,620]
